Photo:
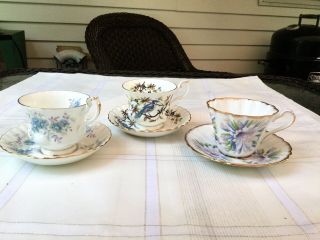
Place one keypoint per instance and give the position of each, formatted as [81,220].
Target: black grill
[295,50]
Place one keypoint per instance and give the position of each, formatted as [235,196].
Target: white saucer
[17,142]
[272,150]
[177,117]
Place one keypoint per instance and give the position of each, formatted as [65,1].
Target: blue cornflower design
[56,127]
[53,125]
[60,126]
[38,124]
[210,150]
[267,154]
[242,135]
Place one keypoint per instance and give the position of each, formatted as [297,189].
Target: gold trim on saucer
[233,164]
[71,155]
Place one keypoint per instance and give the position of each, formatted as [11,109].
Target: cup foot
[59,152]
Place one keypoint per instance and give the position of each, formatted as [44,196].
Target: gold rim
[238,115]
[233,164]
[43,108]
[148,131]
[20,156]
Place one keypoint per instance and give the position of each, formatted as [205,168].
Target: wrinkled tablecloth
[158,188]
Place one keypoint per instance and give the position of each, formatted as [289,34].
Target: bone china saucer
[272,150]
[17,142]
[177,117]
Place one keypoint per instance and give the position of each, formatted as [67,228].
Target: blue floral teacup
[58,119]
[241,124]
[149,99]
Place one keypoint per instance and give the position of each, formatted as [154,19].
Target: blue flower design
[38,124]
[241,135]
[22,145]
[261,156]
[74,102]
[23,151]
[210,150]
[60,126]
[29,142]
[55,126]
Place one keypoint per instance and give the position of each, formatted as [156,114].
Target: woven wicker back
[126,41]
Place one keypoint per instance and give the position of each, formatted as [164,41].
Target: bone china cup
[58,119]
[240,124]
[149,99]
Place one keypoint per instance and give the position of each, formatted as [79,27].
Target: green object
[13,49]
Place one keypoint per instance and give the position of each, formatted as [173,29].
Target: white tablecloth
[142,188]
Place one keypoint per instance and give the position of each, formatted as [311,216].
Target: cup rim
[51,108]
[276,110]
[131,80]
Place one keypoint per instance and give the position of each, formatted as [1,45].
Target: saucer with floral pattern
[273,149]
[177,117]
[16,141]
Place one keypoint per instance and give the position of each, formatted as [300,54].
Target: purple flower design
[241,135]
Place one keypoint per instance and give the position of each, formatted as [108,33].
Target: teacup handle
[283,126]
[180,86]
[98,108]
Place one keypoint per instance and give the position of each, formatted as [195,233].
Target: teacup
[241,124]
[149,99]
[58,119]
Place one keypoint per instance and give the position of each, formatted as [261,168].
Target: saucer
[177,117]
[17,142]
[272,150]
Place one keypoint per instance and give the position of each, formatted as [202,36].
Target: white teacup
[58,119]
[241,124]
[149,99]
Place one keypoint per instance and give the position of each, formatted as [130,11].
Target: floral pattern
[17,141]
[145,88]
[240,135]
[74,102]
[213,119]
[90,132]
[22,144]
[54,126]
[261,156]
[125,121]
[271,150]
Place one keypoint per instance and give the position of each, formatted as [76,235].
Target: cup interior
[149,86]
[53,99]
[242,107]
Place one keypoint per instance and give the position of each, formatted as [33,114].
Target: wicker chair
[133,42]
